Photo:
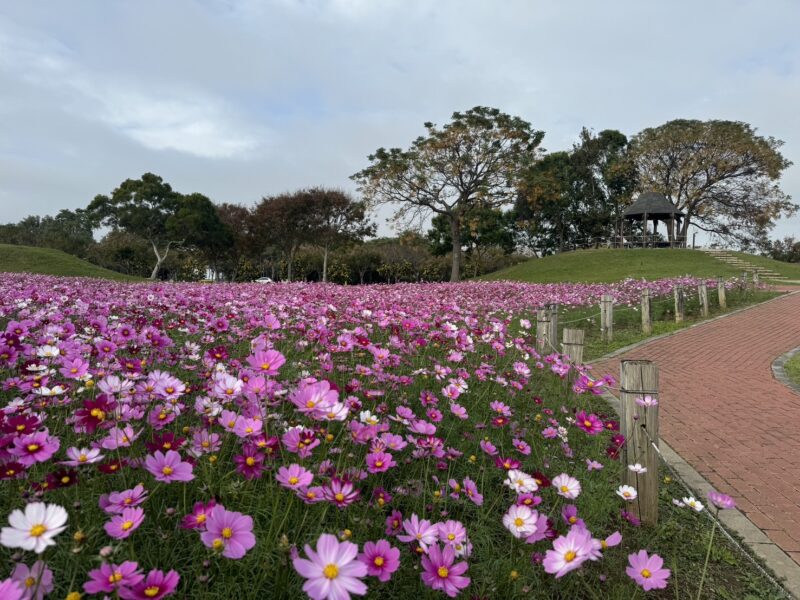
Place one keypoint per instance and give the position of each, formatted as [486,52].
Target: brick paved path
[725,414]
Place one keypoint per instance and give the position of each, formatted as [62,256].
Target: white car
[263,280]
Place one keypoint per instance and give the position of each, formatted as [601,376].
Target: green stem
[705,564]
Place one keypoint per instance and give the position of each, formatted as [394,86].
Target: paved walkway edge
[784,568]
[635,345]
[780,373]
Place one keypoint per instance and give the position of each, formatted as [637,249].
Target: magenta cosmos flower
[155,586]
[647,570]
[590,423]
[10,590]
[109,578]
[33,448]
[168,467]
[720,500]
[121,526]
[381,559]
[439,572]
[378,462]
[229,532]
[332,571]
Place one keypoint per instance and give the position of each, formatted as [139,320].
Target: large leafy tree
[722,174]
[474,161]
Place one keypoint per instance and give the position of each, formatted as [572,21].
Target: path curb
[780,373]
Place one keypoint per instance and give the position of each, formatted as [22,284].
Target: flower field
[218,441]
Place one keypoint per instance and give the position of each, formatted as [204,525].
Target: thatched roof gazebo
[655,207]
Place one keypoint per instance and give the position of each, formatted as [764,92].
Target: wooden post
[542,322]
[723,302]
[639,378]
[743,282]
[702,291]
[755,279]
[647,316]
[572,345]
[552,328]
[680,304]
[607,317]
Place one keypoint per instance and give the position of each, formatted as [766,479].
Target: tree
[472,162]
[786,250]
[283,221]
[335,218]
[720,173]
[203,228]
[144,207]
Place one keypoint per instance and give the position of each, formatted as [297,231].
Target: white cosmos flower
[520,521]
[47,351]
[627,492]
[692,503]
[637,468]
[521,482]
[35,528]
[368,418]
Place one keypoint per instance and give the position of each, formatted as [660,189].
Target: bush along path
[726,415]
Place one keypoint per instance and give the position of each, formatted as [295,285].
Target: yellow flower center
[201,518]
[443,572]
[379,463]
[339,497]
[310,495]
[227,533]
[65,480]
[205,444]
[250,461]
[152,591]
[519,522]
[564,489]
[83,458]
[218,544]
[646,574]
[265,366]
[20,427]
[74,596]
[167,445]
[603,544]
[29,582]
[37,530]
[231,423]
[587,423]
[573,520]
[570,556]
[127,525]
[33,447]
[378,561]
[330,571]
[451,536]
[98,414]
[162,415]
[115,577]
[167,470]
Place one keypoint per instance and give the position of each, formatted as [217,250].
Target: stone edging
[780,373]
[635,345]
[780,563]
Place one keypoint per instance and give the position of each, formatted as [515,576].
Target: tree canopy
[474,161]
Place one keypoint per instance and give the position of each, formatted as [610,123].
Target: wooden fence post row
[702,291]
[552,328]
[572,344]
[607,317]
[723,302]
[639,379]
[647,315]
[680,304]
[542,327]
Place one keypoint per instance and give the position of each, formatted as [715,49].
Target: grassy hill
[608,265]
[27,259]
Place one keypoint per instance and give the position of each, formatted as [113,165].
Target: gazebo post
[644,230]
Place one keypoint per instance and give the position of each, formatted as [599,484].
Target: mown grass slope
[47,261]
[608,265]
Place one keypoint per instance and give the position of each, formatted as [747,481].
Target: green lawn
[609,265]
[26,259]
[792,368]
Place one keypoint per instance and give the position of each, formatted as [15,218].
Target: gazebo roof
[654,205]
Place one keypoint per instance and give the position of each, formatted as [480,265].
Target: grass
[792,368]
[47,261]
[608,265]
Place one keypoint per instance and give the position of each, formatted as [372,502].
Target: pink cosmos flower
[168,467]
[341,492]
[720,500]
[593,465]
[116,502]
[394,523]
[439,572]
[471,490]
[294,476]
[82,456]
[647,571]
[379,462]
[110,577]
[333,571]
[590,423]
[419,531]
[121,526]
[569,552]
[229,532]
[266,362]
[36,581]
[155,586]
[250,462]
[452,532]
[570,515]
[381,559]
[566,486]
[35,447]
[197,518]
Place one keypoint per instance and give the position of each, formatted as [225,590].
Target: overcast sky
[238,99]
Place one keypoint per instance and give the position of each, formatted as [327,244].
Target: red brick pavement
[725,414]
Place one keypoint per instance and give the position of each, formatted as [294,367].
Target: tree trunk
[455,234]
[159,259]
[325,265]
[289,266]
